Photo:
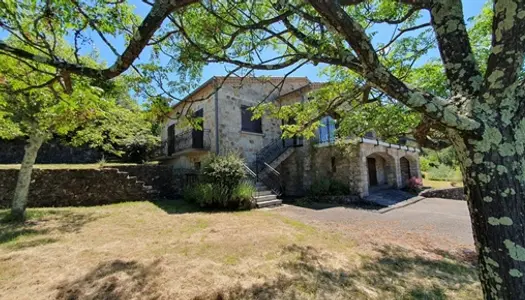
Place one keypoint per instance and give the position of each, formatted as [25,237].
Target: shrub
[328,187]
[424,163]
[444,173]
[242,195]
[222,185]
[198,193]
[414,184]
[225,170]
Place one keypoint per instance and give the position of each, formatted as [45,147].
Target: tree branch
[159,11]
[384,80]
[454,46]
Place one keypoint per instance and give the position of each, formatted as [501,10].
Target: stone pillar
[363,174]
[399,178]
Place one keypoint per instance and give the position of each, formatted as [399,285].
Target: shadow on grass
[114,280]
[38,224]
[394,273]
[180,206]
[310,204]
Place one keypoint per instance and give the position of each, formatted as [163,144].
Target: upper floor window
[327,130]
[247,124]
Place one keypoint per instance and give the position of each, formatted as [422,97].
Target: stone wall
[166,180]
[74,187]
[87,187]
[12,152]
[457,193]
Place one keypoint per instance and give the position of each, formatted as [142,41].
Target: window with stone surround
[247,124]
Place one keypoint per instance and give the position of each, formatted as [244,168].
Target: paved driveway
[432,222]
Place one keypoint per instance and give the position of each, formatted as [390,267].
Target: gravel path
[431,223]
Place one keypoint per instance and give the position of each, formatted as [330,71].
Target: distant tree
[37,105]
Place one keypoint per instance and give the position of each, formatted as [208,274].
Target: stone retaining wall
[74,187]
[457,193]
[165,179]
[87,187]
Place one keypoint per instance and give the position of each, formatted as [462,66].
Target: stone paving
[435,222]
[388,197]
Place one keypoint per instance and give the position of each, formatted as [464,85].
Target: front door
[198,135]
[372,173]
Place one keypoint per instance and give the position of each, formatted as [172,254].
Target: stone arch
[409,168]
[381,169]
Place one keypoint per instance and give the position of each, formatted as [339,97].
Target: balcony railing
[187,140]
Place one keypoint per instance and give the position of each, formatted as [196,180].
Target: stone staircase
[148,189]
[265,197]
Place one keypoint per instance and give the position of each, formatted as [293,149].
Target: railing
[272,151]
[190,139]
[270,179]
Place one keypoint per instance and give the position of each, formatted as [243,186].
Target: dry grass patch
[171,251]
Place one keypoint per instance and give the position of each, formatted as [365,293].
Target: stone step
[269,203]
[265,198]
[265,192]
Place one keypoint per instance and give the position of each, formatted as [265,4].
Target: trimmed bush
[225,170]
[221,185]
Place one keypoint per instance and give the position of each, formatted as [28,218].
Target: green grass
[441,184]
[170,250]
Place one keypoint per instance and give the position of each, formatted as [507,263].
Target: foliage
[243,195]
[444,173]
[200,193]
[221,184]
[223,170]
[433,158]
[414,184]
[328,187]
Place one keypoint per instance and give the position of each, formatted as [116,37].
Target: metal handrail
[252,173]
[272,169]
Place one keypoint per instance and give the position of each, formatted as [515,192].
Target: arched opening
[404,163]
[381,171]
[409,168]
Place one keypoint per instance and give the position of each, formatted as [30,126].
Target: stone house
[282,166]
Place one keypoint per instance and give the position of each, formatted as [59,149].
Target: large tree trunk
[493,175]
[19,204]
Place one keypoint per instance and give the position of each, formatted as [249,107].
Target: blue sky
[471,8]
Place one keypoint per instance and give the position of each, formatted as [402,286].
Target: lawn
[438,184]
[169,250]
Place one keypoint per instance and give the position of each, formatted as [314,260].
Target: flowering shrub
[414,184]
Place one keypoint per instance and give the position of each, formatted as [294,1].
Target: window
[327,130]
[171,139]
[247,123]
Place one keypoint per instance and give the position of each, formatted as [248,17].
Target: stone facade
[221,100]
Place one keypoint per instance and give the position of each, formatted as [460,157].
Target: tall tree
[479,108]
[38,106]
